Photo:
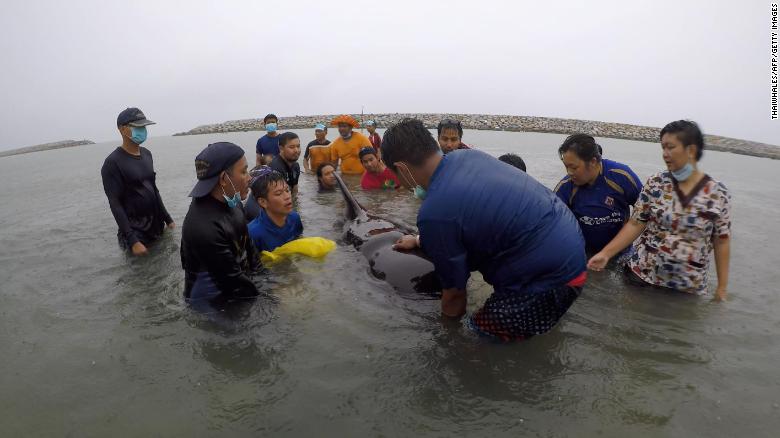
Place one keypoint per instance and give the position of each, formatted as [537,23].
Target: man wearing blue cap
[216,252]
[129,182]
[318,150]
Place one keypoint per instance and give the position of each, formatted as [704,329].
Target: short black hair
[408,141]
[450,124]
[320,169]
[688,133]
[583,145]
[513,160]
[286,137]
[269,117]
[368,150]
[260,185]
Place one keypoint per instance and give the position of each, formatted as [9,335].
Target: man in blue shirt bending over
[481,214]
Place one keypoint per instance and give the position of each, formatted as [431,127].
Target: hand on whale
[408,270]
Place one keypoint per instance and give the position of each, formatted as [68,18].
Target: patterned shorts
[517,316]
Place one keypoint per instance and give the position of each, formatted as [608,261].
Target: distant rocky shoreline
[46,147]
[506,123]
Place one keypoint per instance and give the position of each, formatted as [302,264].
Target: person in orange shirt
[318,150]
[345,150]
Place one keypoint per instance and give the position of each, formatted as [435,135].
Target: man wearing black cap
[129,183]
[216,252]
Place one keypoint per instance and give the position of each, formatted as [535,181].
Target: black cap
[133,117]
[211,162]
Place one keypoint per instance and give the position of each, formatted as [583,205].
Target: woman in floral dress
[681,217]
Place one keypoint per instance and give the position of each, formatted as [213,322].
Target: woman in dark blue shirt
[599,192]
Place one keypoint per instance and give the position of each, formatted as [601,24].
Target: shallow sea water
[95,343]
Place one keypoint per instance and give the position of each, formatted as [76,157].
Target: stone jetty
[505,123]
[46,147]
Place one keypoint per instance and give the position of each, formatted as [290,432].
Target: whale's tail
[354,209]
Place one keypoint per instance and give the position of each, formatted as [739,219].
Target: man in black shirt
[216,253]
[129,182]
[286,162]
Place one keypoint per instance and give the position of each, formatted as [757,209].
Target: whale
[411,273]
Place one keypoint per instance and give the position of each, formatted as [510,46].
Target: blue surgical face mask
[233,201]
[419,192]
[270,127]
[683,173]
[138,134]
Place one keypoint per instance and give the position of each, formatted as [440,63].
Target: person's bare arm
[453,302]
[631,230]
[722,247]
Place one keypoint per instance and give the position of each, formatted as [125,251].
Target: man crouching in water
[216,253]
[480,214]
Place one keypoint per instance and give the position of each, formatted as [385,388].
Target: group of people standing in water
[478,213]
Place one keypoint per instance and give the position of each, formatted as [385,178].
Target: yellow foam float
[315,247]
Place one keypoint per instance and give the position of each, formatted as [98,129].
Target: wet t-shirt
[129,182]
[267,145]
[317,153]
[385,180]
[349,153]
[480,214]
[291,173]
[267,236]
[216,253]
[604,206]
[376,141]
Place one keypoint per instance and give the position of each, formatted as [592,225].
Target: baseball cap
[211,162]
[370,123]
[133,117]
[320,127]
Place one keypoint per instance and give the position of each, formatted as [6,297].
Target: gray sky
[69,67]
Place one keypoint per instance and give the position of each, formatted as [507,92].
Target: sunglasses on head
[447,122]
[260,172]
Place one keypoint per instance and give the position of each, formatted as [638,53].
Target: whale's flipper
[354,209]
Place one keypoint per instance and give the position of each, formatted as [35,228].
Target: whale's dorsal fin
[354,209]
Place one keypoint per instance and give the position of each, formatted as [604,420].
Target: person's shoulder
[112,157]
[717,186]
[359,136]
[255,226]
[276,163]
[145,153]
[620,172]
[563,185]
[659,179]
[294,219]
[312,143]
